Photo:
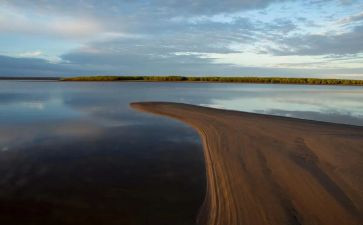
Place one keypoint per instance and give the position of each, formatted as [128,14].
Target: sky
[307,38]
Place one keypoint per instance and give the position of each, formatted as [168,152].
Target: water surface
[75,153]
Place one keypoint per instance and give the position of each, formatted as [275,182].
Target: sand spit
[274,170]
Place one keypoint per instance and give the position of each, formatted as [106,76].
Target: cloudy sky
[314,38]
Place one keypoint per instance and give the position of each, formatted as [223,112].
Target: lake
[76,153]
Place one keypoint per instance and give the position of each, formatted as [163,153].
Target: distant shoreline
[190,79]
[215,79]
[264,169]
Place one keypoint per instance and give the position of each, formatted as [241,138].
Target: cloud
[146,61]
[21,21]
[11,66]
[86,63]
[350,42]
[31,54]
[350,19]
[175,37]
[161,7]
[87,19]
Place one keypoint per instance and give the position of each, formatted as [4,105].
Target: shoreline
[187,82]
[264,169]
[205,82]
[221,79]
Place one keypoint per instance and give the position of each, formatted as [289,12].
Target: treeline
[265,80]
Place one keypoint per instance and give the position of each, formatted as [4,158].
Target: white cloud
[34,105]
[31,54]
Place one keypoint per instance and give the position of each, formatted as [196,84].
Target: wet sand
[274,170]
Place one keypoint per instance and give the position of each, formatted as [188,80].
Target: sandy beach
[270,170]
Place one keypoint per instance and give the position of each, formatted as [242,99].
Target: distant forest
[264,80]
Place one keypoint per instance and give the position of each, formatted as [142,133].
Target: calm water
[75,153]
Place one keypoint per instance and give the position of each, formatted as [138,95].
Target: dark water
[75,153]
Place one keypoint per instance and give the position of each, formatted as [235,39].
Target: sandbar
[272,170]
